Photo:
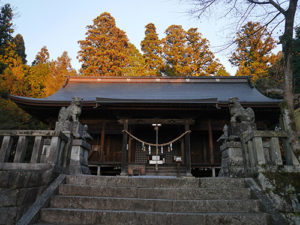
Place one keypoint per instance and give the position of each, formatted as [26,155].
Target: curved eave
[100,101]
[42,102]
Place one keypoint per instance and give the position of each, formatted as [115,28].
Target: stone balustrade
[267,150]
[46,147]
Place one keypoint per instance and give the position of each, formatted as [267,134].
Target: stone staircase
[153,200]
[165,170]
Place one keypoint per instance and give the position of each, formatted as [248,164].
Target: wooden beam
[129,147]
[124,149]
[108,152]
[161,121]
[187,149]
[211,144]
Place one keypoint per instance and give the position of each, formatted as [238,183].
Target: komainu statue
[238,113]
[72,112]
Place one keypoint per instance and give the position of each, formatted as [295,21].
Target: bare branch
[276,5]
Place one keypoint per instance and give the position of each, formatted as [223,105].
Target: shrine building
[155,125]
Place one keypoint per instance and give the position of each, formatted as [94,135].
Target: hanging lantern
[169,149]
[162,150]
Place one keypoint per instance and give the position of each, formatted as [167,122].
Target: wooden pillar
[211,143]
[187,150]
[102,142]
[129,148]
[124,149]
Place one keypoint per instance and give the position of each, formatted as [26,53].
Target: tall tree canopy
[6,30]
[42,56]
[201,60]
[152,51]
[20,47]
[174,51]
[188,54]
[104,52]
[136,63]
[253,54]
[46,76]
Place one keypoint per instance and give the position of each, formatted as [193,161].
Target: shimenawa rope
[158,145]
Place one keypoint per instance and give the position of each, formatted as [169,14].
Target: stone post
[79,157]
[232,159]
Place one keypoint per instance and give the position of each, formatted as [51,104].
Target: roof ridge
[187,79]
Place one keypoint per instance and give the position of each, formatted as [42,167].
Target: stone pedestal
[232,160]
[79,157]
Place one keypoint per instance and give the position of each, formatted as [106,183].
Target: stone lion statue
[238,113]
[72,112]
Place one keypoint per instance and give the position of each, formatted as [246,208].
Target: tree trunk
[287,49]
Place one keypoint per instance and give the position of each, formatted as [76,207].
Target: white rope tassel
[143,147]
[161,149]
[171,147]
[149,150]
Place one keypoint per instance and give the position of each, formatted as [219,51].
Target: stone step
[143,181]
[157,193]
[164,168]
[121,217]
[154,205]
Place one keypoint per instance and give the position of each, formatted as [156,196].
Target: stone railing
[267,151]
[29,161]
[24,147]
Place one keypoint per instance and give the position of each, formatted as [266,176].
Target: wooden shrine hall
[155,125]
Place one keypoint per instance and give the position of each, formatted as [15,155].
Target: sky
[60,24]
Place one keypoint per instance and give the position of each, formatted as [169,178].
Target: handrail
[31,214]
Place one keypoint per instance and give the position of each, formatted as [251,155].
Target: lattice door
[140,155]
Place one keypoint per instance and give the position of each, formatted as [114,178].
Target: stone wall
[19,189]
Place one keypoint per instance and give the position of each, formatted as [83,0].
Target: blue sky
[59,24]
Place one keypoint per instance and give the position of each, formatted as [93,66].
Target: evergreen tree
[188,54]
[152,51]
[136,63]
[201,60]
[6,26]
[6,30]
[20,47]
[253,55]
[175,54]
[42,56]
[104,52]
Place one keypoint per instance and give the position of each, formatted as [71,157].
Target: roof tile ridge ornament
[66,81]
[251,84]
